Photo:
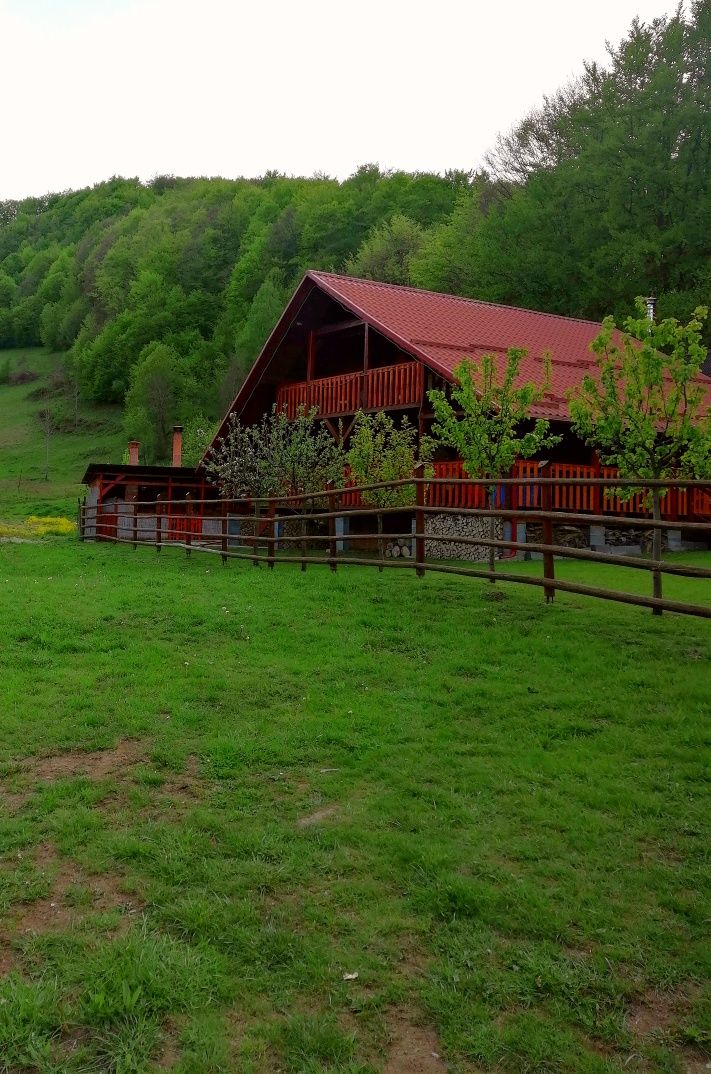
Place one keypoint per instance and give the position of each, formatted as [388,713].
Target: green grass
[494,811]
[23,488]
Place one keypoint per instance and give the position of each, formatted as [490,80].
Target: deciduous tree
[645,411]
[489,424]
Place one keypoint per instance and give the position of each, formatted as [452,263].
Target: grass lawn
[225,792]
[23,451]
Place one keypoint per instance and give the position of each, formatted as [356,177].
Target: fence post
[548,558]
[332,543]
[159,532]
[303,533]
[271,539]
[188,527]
[420,496]
[134,527]
[225,532]
[255,557]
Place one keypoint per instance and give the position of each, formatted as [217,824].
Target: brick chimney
[177,445]
[133,446]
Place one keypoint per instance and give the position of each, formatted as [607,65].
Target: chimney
[177,445]
[651,304]
[133,446]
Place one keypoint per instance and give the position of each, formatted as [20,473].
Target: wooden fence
[256,530]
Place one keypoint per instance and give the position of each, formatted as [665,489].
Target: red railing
[386,386]
[393,385]
[454,495]
[700,502]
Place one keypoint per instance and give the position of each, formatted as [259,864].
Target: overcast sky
[94,88]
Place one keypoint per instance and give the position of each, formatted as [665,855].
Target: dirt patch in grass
[414,1049]
[98,764]
[73,893]
[657,1012]
[325,813]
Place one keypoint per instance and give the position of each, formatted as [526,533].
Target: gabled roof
[441,330]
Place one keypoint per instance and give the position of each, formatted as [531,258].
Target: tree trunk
[656,547]
[492,532]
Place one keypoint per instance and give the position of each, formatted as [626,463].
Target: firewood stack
[396,548]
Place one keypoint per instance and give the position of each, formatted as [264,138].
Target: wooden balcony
[388,386]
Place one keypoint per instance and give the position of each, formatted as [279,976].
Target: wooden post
[420,496]
[332,542]
[271,540]
[548,558]
[255,557]
[303,533]
[135,527]
[159,533]
[80,521]
[189,519]
[225,532]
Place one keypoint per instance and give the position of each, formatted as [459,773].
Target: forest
[162,293]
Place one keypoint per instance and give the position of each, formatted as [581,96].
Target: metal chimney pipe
[177,445]
[651,304]
[133,446]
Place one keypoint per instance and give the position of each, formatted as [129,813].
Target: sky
[94,88]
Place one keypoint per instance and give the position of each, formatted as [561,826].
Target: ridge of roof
[316,274]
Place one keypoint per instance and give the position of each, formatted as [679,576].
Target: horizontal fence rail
[269,530]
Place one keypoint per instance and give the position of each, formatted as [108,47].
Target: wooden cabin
[344,344]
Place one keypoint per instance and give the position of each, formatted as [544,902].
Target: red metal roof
[442,330]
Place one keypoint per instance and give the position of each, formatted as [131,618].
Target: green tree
[386,253]
[198,434]
[264,311]
[487,423]
[380,451]
[645,411]
[155,398]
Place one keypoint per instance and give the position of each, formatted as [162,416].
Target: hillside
[91,433]
[168,288]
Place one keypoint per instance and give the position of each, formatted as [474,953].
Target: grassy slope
[494,811]
[23,490]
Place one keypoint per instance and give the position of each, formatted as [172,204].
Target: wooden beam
[366,348]
[340,326]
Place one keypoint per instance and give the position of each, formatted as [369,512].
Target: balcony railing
[398,385]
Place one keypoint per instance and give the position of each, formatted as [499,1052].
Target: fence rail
[257,530]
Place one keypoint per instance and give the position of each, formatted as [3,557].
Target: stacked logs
[454,526]
[400,547]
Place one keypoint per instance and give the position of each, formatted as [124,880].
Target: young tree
[486,423]
[380,451]
[231,464]
[278,457]
[645,412]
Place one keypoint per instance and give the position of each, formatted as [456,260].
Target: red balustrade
[526,495]
[574,497]
[386,386]
[455,495]
[701,502]
[393,385]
